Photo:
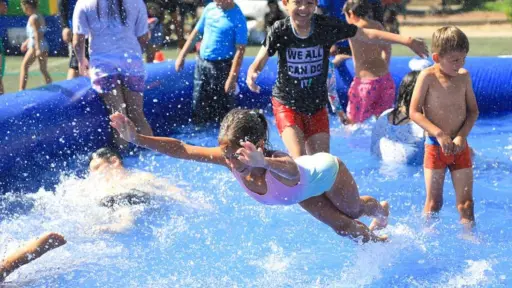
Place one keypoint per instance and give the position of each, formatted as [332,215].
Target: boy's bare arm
[387,53]
[471,108]
[417,103]
[416,112]
[374,36]
[79,46]
[237,61]
[260,61]
[183,53]
[252,73]
[144,40]
[235,68]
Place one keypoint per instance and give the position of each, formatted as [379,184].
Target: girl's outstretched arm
[31,251]
[169,146]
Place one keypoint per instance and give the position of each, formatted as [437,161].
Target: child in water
[320,183]
[372,90]
[302,43]
[395,137]
[444,104]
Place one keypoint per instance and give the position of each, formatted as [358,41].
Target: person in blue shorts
[224,31]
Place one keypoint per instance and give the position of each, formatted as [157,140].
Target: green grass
[500,6]
[58,66]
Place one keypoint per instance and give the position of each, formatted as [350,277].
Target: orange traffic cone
[159,57]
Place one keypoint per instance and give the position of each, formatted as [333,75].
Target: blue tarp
[50,124]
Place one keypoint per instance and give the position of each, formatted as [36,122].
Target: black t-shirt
[303,63]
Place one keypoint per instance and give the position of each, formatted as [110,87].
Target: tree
[471,4]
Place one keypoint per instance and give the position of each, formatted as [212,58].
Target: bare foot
[381,222]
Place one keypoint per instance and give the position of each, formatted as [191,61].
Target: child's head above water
[104,158]
[403,101]
[241,125]
[355,9]
[450,47]
[301,11]
[29,5]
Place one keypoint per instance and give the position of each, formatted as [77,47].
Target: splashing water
[216,236]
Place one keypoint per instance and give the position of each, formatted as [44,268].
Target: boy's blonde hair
[449,39]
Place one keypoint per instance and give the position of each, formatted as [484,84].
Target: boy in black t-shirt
[302,42]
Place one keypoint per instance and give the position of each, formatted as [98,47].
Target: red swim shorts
[436,159]
[309,124]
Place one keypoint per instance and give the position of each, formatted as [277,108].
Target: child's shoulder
[32,19]
[428,74]
[371,24]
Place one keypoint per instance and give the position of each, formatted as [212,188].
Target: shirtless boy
[444,104]
[373,90]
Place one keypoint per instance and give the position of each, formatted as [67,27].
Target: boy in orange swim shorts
[443,103]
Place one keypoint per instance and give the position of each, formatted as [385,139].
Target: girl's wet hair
[243,125]
[360,8]
[33,3]
[105,153]
[111,6]
[404,96]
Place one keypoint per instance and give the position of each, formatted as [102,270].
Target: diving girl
[319,183]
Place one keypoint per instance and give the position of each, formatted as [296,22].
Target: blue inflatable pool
[41,129]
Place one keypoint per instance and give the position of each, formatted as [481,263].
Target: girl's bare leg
[345,196]
[43,66]
[324,210]
[28,60]
[114,101]
[135,111]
